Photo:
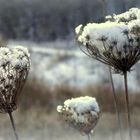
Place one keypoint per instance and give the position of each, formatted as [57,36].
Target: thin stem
[115,103]
[89,137]
[127,105]
[13,125]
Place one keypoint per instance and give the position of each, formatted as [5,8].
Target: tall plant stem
[89,137]
[13,125]
[127,105]
[115,103]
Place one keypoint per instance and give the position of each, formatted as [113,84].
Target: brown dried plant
[116,45]
[14,68]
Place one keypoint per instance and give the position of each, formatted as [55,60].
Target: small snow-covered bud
[78,29]
[108,17]
[82,112]
[59,108]
[22,49]
[4,51]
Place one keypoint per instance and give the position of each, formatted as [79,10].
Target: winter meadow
[69,70]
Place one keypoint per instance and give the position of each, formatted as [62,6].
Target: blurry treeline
[52,19]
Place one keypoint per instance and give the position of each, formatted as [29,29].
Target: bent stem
[115,103]
[13,125]
[127,105]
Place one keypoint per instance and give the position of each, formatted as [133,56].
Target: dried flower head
[14,68]
[132,14]
[112,43]
[82,113]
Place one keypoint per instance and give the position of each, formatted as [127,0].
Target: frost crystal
[83,113]
[14,68]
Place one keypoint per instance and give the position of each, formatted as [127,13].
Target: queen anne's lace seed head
[82,113]
[14,68]
[112,43]
[132,14]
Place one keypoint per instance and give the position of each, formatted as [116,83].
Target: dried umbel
[82,113]
[112,43]
[130,18]
[14,68]
[115,43]
[132,14]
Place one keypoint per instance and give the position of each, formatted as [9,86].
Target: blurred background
[60,70]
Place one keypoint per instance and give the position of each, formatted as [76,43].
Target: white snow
[82,104]
[93,33]
[80,108]
[16,56]
[112,31]
[55,65]
[133,13]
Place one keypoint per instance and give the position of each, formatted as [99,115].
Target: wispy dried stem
[13,125]
[127,106]
[116,103]
[89,137]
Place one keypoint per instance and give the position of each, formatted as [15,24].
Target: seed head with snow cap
[83,113]
[112,43]
[14,68]
[132,14]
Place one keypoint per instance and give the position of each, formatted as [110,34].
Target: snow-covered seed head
[132,14]
[14,68]
[82,113]
[112,43]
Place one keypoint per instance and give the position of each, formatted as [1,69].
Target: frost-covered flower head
[130,18]
[132,14]
[83,113]
[14,68]
[112,43]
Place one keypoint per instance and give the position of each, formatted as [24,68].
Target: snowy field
[63,62]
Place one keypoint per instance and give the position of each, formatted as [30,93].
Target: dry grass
[38,95]
[36,118]
[37,123]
